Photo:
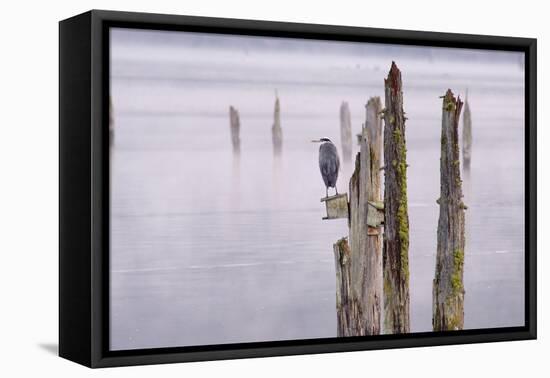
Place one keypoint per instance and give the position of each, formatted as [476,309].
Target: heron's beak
[316,141]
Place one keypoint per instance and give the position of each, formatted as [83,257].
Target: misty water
[210,249]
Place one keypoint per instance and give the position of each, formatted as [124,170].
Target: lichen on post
[448,286]
[396,223]
[276,129]
[235,126]
[345,132]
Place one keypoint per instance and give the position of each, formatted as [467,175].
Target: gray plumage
[329,164]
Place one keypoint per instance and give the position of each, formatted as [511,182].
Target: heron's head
[322,140]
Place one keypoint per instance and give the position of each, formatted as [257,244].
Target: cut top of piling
[452,106]
[451,187]
[394,79]
[452,103]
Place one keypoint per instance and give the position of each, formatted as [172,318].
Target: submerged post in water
[396,224]
[345,132]
[235,126]
[448,286]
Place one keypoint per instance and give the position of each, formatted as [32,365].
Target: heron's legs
[326,191]
[335,188]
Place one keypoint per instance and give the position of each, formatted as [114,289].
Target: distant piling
[345,132]
[396,225]
[235,126]
[276,129]
[466,136]
[111,122]
[448,286]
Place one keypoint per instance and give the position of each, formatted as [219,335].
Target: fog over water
[209,249]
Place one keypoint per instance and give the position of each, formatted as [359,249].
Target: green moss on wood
[449,105]
[402,209]
[454,323]
[458,266]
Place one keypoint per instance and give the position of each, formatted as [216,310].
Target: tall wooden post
[467,135]
[373,284]
[235,126]
[362,274]
[448,287]
[345,132]
[276,130]
[396,225]
[358,229]
[343,287]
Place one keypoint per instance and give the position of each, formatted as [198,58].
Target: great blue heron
[329,163]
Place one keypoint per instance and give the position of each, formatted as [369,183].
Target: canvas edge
[75,335]
[98,355]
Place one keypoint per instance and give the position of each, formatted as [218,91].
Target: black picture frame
[84,188]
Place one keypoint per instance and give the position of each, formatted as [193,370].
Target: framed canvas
[198,221]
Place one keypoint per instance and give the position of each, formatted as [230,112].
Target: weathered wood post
[345,132]
[373,284]
[448,287]
[276,130]
[359,266]
[343,287]
[467,135]
[396,225]
[235,126]
[358,229]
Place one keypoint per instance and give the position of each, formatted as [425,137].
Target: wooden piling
[466,135]
[276,130]
[373,150]
[359,294]
[345,132]
[343,287]
[396,225]
[358,230]
[448,286]
[235,126]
